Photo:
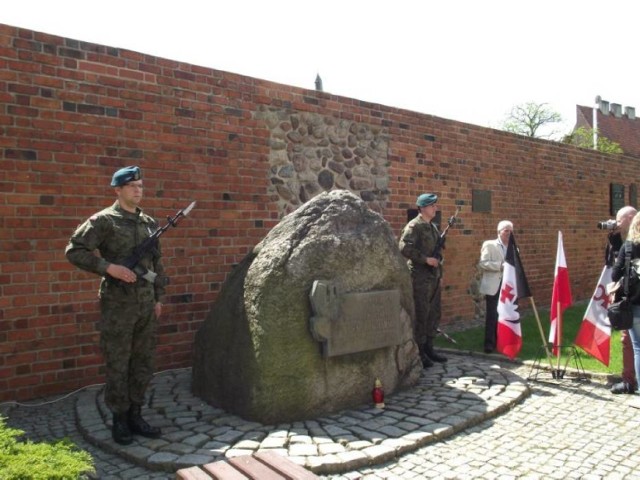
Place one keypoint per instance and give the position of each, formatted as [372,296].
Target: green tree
[583,137]
[528,119]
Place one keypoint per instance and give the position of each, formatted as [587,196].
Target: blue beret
[126,175]
[426,199]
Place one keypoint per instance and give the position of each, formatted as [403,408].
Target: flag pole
[560,299]
[558,336]
[544,340]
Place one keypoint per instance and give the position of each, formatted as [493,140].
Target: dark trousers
[628,369]
[491,321]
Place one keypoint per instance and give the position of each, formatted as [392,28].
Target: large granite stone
[257,355]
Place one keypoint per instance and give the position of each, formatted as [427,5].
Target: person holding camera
[491,261]
[616,239]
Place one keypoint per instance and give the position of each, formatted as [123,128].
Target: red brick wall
[72,112]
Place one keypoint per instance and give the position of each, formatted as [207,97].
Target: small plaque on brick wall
[481,200]
[633,195]
[616,197]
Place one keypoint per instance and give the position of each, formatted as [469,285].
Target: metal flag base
[558,371]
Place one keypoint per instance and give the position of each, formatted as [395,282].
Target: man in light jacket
[491,262]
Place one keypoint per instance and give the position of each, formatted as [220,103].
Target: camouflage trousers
[427,300]
[128,341]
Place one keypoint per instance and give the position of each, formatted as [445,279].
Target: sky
[465,60]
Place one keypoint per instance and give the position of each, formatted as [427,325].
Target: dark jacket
[613,248]
[618,271]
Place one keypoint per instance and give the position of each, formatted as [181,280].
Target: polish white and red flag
[561,297]
[514,286]
[594,335]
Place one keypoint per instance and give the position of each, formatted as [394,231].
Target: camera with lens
[608,225]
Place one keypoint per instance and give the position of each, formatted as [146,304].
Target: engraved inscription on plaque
[354,322]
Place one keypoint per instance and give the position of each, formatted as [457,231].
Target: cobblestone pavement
[470,418]
[562,430]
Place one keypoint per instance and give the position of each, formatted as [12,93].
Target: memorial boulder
[309,319]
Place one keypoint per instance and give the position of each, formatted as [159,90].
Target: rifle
[436,254]
[447,337]
[150,243]
[440,245]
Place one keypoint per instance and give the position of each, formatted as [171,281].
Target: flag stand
[556,373]
[544,342]
[560,299]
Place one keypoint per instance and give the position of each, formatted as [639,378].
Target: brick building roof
[614,124]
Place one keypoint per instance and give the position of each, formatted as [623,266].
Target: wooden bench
[259,466]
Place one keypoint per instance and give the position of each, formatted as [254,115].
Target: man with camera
[619,228]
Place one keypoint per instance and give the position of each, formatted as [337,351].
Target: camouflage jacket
[417,242]
[115,232]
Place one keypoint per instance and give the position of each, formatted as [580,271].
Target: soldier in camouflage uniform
[417,243]
[129,304]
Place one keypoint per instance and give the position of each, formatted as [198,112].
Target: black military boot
[138,425]
[433,356]
[426,361]
[120,431]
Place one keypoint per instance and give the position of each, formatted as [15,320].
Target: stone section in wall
[256,356]
[312,153]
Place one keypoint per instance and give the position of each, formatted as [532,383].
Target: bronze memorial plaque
[354,322]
